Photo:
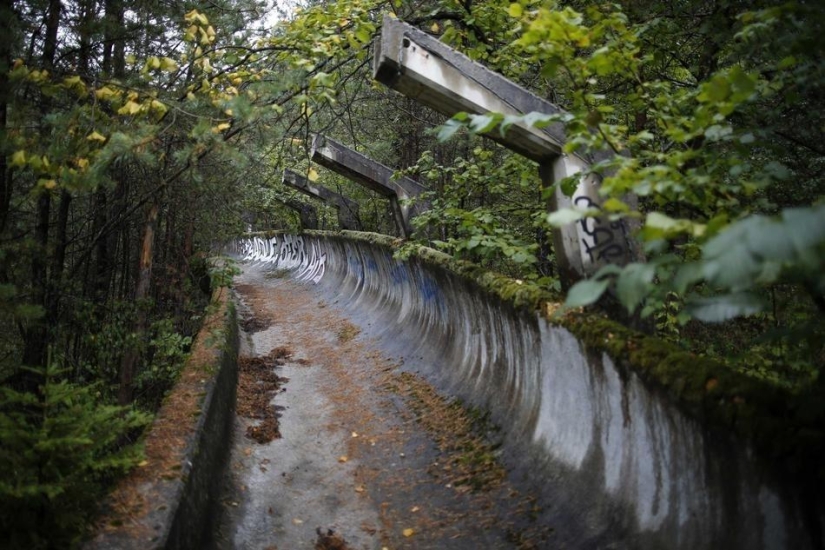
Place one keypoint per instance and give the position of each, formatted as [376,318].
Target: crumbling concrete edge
[174,504]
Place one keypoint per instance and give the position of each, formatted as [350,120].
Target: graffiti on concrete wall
[602,241]
[285,252]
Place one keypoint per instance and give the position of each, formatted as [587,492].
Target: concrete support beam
[421,67]
[347,209]
[371,174]
[307,213]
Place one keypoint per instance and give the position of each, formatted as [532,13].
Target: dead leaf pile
[257,385]
[330,541]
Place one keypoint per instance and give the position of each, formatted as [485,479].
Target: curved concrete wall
[623,466]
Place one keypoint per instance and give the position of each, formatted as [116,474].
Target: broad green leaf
[723,308]
[565,216]
[448,129]
[538,120]
[18,159]
[634,284]
[481,124]
[585,292]
[615,205]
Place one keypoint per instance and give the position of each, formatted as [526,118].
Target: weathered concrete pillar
[420,66]
[306,212]
[347,209]
[371,174]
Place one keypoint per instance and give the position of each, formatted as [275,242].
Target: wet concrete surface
[363,453]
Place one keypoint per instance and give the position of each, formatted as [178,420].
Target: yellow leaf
[220,127]
[312,175]
[158,106]
[408,532]
[96,136]
[18,159]
[130,108]
[168,64]
[82,163]
[105,93]
[342,459]
[434,27]
[75,83]
[142,463]
[515,10]
[47,184]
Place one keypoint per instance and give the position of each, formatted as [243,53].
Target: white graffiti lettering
[285,252]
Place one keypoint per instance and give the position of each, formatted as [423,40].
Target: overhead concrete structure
[423,68]
[347,209]
[371,174]
[307,213]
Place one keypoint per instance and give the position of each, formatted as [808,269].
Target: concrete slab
[347,209]
[421,67]
[371,174]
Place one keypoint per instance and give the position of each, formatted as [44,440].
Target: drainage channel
[337,446]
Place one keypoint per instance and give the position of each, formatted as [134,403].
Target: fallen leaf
[360,489]
[247,451]
[408,532]
[414,509]
[342,459]
[354,434]
[297,521]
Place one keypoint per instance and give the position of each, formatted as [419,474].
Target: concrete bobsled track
[627,459]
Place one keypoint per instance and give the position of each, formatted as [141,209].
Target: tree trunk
[6,14]
[36,337]
[130,358]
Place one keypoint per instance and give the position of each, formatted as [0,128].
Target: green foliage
[481,210]
[709,116]
[61,447]
[222,271]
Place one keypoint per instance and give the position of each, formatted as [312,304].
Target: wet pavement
[370,456]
